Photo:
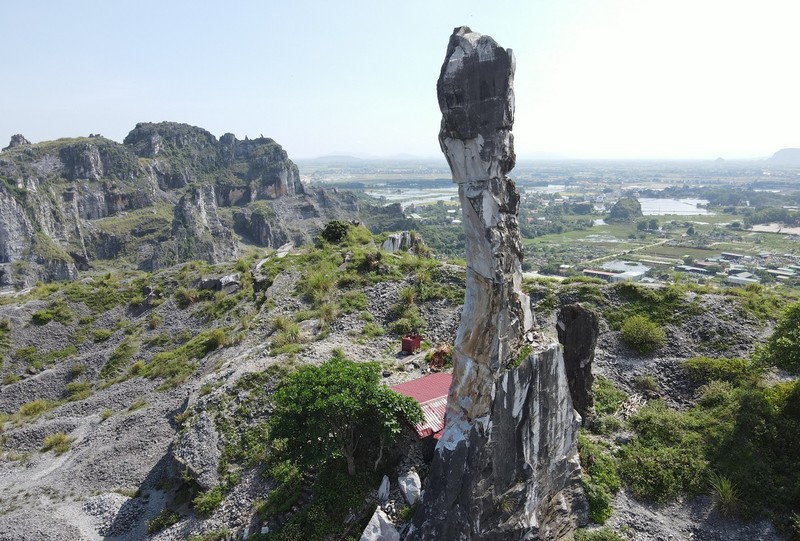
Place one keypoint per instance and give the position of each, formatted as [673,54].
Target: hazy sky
[595,78]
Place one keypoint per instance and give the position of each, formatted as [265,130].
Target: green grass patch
[78,390]
[600,479]
[733,370]
[176,365]
[35,408]
[101,335]
[119,358]
[59,443]
[662,306]
[607,397]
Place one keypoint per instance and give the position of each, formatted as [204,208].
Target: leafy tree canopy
[783,347]
[339,408]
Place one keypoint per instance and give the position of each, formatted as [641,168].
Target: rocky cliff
[159,197]
[506,466]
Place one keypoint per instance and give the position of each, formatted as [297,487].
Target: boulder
[230,283]
[383,490]
[410,486]
[198,451]
[380,528]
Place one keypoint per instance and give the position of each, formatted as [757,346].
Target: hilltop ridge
[170,192]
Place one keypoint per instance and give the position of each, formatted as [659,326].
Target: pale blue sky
[595,78]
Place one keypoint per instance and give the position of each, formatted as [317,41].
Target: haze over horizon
[611,80]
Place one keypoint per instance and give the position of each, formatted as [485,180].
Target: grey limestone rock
[380,528]
[578,329]
[506,466]
[198,451]
[410,486]
[403,240]
[17,140]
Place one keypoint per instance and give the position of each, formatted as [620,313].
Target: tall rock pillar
[506,466]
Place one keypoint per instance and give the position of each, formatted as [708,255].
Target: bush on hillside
[642,335]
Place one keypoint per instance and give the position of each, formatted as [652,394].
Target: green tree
[335,231]
[339,408]
[783,347]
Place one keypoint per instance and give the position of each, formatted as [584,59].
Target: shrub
[335,231]
[599,501]
[642,335]
[162,520]
[329,404]
[783,347]
[59,443]
[186,297]
[42,317]
[668,457]
[372,330]
[205,503]
[8,379]
[105,414]
[353,301]
[647,382]
[281,498]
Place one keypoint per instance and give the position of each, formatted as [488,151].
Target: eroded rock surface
[578,329]
[506,466]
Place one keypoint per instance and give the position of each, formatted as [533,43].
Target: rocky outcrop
[153,198]
[198,451]
[404,240]
[244,171]
[197,232]
[506,466]
[17,140]
[578,329]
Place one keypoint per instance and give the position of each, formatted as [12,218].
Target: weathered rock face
[98,199]
[17,140]
[578,329]
[197,233]
[404,240]
[506,466]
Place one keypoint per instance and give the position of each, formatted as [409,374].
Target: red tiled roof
[431,393]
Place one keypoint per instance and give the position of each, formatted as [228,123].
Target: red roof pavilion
[431,393]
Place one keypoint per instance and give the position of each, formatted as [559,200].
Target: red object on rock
[411,343]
